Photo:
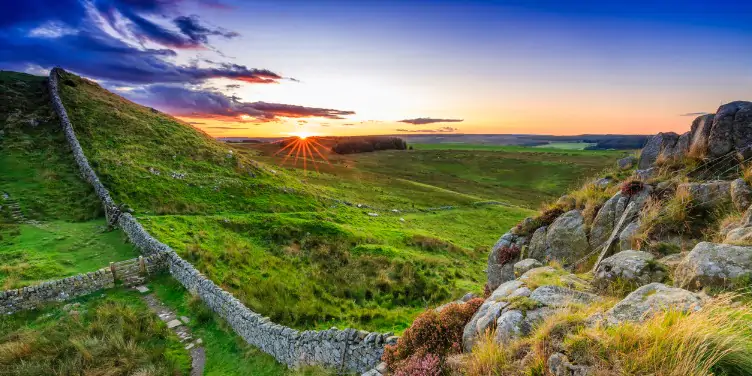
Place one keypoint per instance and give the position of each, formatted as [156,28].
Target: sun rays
[304,147]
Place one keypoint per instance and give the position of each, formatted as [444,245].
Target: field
[566,145]
[368,240]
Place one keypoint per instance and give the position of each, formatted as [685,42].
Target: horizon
[265,69]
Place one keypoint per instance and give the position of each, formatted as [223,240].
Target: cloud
[114,40]
[232,86]
[420,121]
[227,127]
[695,114]
[182,101]
[437,130]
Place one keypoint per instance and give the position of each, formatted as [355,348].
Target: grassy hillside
[48,214]
[293,244]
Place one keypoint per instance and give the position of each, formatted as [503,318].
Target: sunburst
[304,146]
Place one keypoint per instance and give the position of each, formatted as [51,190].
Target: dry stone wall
[347,350]
[127,272]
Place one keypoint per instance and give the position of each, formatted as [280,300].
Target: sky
[274,68]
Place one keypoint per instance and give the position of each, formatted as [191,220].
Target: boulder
[741,194]
[742,131]
[566,238]
[538,245]
[707,195]
[626,236]
[651,299]
[726,128]
[488,313]
[602,183]
[713,264]
[699,134]
[678,150]
[739,236]
[523,266]
[654,147]
[646,174]
[559,297]
[673,260]
[626,163]
[498,273]
[630,266]
[509,326]
[604,221]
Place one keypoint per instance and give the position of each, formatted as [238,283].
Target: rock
[499,273]
[523,266]
[741,194]
[467,297]
[654,147]
[728,131]
[699,134]
[707,195]
[673,260]
[678,150]
[566,238]
[559,365]
[538,245]
[604,221]
[631,266]
[626,236]
[646,174]
[174,324]
[651,299]
[602,183]
[739,236]
[488,313]
[558,297]
[713,264]
[626,163]
[508,326]
[142,289]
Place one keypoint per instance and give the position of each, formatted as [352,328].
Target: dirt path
[177,325]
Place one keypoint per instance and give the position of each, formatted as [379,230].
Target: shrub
[508,253]
[432,334]
[632,187]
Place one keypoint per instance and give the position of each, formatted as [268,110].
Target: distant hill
[602,142]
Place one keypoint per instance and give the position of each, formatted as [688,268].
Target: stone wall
[348,349]
[128,272]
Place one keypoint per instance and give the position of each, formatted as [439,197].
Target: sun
[301,134]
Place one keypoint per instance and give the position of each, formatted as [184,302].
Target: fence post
[112,269]
[142,264]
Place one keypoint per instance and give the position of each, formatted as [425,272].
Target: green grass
[113,334]
[125,142]
[565,145]
[33,253]
[339,267]
[226,353]
[37,169]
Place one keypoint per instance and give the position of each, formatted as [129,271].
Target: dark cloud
[695,114]
[419,121]
[182,101]
[437,130]
[191,27]
[64,33]
[232,86]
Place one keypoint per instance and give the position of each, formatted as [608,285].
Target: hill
[646,270]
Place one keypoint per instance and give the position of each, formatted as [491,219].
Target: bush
[507,254]
[631,188]
[431,338]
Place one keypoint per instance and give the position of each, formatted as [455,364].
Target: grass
[226,353]
[37,170]
[337,267]
[33,253]
[716,340]
[566,145]
[115,334]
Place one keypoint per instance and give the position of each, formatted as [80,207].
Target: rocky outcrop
[741,194]
[731,130]
[700,133]
[635,267]
[626,163]
[678,150]
[513,310]
[612,213]
[707,195]
[655,146]
[651,299]
[500,272]
[713,264]
[565,240]
[523,266]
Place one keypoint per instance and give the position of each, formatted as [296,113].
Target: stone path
[177,325]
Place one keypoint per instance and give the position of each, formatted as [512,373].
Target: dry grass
[716,340]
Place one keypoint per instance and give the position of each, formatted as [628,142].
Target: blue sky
[365,67]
